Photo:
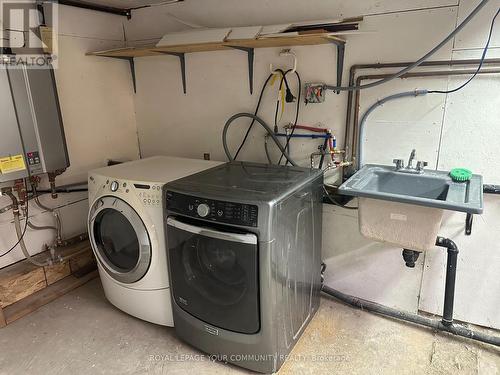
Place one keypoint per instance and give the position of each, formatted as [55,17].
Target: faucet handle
[399,163]
[421,165]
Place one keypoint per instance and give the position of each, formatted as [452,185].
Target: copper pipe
[348,139]
[354,141]
[52,181]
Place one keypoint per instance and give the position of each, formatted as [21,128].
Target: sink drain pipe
[446,324]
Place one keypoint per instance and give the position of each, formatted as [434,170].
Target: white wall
[97,106]
[454,130]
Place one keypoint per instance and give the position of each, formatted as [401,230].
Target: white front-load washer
[125,226]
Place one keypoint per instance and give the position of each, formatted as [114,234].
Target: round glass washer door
[120,239]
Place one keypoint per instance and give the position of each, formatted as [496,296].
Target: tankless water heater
[32,138]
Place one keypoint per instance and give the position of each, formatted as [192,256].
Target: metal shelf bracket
[251,56]
[340,59]
[132,68]
[182,60]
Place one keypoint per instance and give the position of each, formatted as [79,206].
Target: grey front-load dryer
[244,245]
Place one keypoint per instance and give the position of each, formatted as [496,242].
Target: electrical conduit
[380,102]
[419,61]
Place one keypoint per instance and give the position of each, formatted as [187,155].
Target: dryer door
[120,239]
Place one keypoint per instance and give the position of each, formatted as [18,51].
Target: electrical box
[32,138]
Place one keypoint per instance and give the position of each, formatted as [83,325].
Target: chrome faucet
[400,164]
[411,158]
[409,168]
[421,165]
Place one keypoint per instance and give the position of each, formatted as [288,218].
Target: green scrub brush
[460,174]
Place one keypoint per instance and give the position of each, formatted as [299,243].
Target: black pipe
[446,324]
[151,5]
[410,257]
[99,8]
[451,275]
[63,190]
[491,189]
[435,324]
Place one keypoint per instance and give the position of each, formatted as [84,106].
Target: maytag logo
[212,330]
[183,301]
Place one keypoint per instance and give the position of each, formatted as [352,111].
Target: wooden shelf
[245,45]
[301,40]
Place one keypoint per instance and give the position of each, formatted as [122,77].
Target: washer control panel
[214,210]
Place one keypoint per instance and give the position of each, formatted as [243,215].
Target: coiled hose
[264,125]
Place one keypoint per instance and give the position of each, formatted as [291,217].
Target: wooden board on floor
[57,272]
[81,261]
[44,296]
[24,287]
[19,281]
[3,322]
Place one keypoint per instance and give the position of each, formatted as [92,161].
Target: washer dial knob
[114,186]
[203,210]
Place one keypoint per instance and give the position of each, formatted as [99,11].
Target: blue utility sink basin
[429,189]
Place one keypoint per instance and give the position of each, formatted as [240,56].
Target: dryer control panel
[150,195]
[214,210]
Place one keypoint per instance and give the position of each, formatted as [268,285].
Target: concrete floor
[81,333]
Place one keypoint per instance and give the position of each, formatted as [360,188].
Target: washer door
[215,275]
[120,239]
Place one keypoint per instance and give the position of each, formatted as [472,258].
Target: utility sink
[405,208]
[429,188]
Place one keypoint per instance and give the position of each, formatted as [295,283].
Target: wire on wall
[299,81]
[259,102]
[483,56]
[23,232]
[419,61]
